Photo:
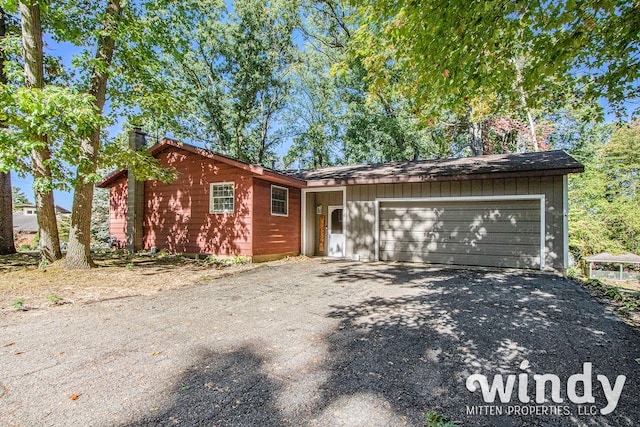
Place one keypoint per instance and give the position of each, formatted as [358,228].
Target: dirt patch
[25,284]
[624,303]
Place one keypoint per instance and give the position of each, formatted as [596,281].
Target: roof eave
[398,179]
[110,179]
[165,144]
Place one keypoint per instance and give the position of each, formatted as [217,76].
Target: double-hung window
[279,201]
[221,200]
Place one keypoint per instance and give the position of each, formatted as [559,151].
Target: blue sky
[66,51]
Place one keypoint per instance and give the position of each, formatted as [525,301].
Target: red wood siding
[275,234]
[177,215]
[118,212]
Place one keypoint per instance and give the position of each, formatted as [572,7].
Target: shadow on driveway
[225,389]
[395,357]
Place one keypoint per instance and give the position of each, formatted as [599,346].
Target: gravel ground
[315,343]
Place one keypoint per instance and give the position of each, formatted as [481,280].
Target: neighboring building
[25,223]
[500,210]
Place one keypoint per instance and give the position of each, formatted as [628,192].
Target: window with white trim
[221,198]
[279,201]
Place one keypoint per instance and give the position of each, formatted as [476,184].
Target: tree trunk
[523,100]
[7,245]
[40,155]
[79,247]
[475,135]
[6,216]
[532,126]
[476,138]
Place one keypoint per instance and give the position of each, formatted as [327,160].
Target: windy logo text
[543,382]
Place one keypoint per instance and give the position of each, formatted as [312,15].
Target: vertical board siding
[273,234]
[445,189]
[487,187]
[118,212]
[455,188]
[361,207]
[557,223]
[177,215]
[465,188]
[310,223]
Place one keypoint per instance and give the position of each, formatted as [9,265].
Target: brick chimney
[135,196]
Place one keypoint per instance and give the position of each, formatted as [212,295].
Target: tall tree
[6,210]
[510,55]
[227,69]
[43,181]
[313,115]
[604,199]
[79,247]
[100,215]
[333,117]
[18,197]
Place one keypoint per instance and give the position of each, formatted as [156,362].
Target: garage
[502,210]
[495,232]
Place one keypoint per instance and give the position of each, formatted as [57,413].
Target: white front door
[336,231]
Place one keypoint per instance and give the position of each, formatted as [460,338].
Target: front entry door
[336,232]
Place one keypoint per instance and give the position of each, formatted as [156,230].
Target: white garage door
[500,233]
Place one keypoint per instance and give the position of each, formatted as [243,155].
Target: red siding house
[216,205]
[506,210]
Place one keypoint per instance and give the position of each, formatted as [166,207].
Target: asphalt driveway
[321,343]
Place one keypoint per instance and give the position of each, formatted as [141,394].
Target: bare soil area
[25,284]
[621,300]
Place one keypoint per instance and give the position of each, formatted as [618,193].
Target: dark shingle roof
[541,163]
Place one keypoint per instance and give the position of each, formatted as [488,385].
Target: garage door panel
[502,233]
[495,237]
[459,214]
[484,261]
[471,225]
[476,206]
[427,248]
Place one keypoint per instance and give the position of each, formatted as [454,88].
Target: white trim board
[540,197]
[303,213]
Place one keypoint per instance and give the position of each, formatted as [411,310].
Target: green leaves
[61,114]
[592,44]
[116,154]
[223,74]
[604,200]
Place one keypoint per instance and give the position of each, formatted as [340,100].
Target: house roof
[493,166]
[170,144]
[59,209]
[627,258]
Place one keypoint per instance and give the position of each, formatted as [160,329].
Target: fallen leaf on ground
[74,397]
[155,353]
